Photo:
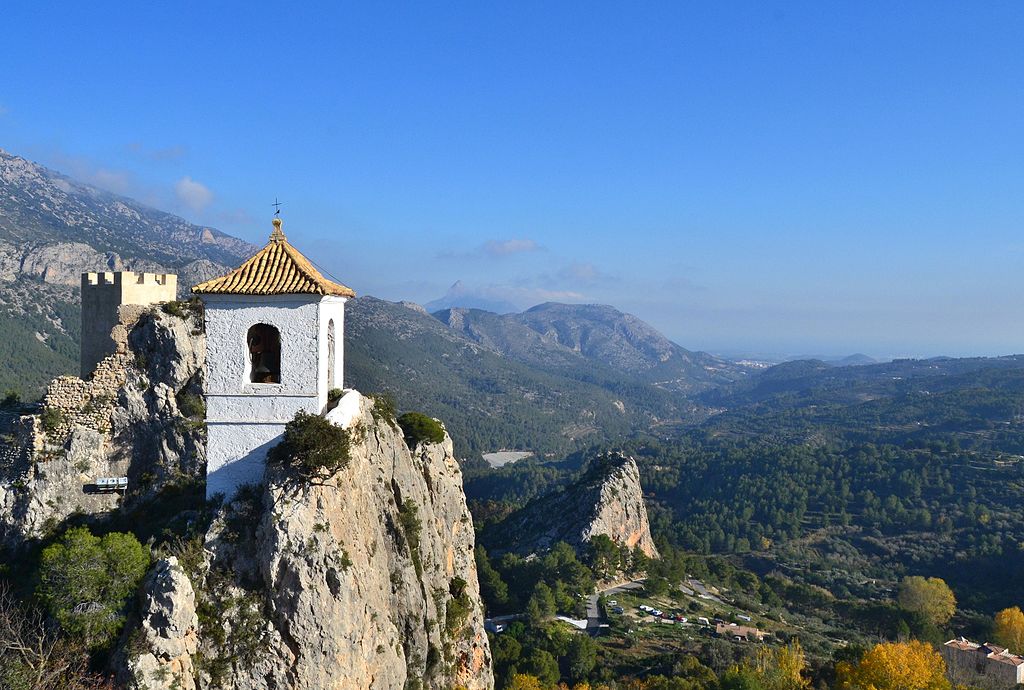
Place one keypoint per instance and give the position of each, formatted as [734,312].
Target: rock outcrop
[368,577]
[169,631]
[607,500]
[125,421]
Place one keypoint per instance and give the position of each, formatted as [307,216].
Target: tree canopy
[931,598]
[1008,629]
[86,581]
[895,666]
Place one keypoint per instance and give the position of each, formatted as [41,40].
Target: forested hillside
[853,477]
[490,401]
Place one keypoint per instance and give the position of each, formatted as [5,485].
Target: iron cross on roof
[277,206]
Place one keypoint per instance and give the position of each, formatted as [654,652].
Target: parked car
[744,618]
[704,621]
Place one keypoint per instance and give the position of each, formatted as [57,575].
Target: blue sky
[749,177]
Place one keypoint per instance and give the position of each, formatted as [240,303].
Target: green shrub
[459,606]
[86,581]
[174,308]
[419,428]
[192,405]
[12,399]
[183,309]
[51,419]
[334,394]
[411,526]
[312,446]
[384,409]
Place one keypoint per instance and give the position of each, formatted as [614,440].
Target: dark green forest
[926,479]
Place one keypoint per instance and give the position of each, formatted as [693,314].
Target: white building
[274,334]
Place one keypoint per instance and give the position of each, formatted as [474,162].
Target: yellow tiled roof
[277,269]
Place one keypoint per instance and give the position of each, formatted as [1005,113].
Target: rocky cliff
[365,579]
[126,420]
[607,499]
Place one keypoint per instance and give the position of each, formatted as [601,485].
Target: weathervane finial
[277,235]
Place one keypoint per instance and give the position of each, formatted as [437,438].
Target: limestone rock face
[356,596]
[125,424]
[36,496]
[64,262]
[619,509]
[170,628]
[607,500]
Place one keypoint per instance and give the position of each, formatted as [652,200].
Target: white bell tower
[274,347]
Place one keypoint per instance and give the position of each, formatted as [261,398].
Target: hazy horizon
[804,178]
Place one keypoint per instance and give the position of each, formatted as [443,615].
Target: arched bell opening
[263,342]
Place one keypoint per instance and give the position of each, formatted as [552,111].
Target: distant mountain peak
[459,295]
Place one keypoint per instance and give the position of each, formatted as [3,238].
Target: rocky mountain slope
[50,223]
[51,229]
[607,499]
[573,336]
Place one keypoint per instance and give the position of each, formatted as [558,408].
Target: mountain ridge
[594,335]
[53,228]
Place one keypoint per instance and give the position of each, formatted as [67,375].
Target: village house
[739,633]
[970,662]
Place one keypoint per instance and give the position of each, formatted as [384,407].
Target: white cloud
[195,195]
[116,181]
[506,247]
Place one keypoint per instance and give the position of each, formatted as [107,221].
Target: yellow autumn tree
[522,681]
[895,666]
[782,668]
[1008,629]
[930,597]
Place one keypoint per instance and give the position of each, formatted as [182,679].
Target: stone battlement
[110,278]
[104,296]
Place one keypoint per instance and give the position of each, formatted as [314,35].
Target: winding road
[594,613]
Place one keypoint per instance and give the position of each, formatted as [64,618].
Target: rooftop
[277,269]
[991,651]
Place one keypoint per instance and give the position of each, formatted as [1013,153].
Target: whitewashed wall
[331,308]
[245,419]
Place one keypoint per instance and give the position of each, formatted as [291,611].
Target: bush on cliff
[312,446]
[418,427]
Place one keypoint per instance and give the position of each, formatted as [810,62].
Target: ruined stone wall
[85,403]
[71,401]
[18,442]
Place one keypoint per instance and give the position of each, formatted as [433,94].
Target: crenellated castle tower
[103,294]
